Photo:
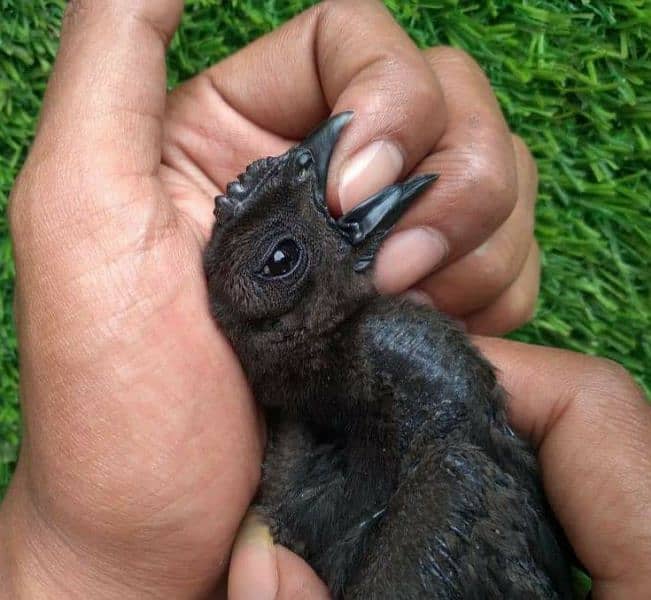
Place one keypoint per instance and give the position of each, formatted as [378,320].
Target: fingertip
[253,573]
[407,257]
[297,579]
[260,570]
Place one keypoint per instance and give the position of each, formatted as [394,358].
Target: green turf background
[573,78]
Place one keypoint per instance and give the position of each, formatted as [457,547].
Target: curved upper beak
[321,144]
[375,215]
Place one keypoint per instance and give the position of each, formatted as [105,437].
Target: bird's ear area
[366,225]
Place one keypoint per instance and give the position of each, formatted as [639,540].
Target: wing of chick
[469,506]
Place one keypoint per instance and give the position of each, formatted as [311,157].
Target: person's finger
[259,570]
[477,279]
[253,571]
[592,428]
[477,188]
[515,306]
[297,579]
[106,97]
[336,56]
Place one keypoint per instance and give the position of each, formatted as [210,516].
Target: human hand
[468,243]
[591,426]
[592,429]
[142,444]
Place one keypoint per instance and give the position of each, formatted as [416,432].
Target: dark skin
[109,217]
[390,466]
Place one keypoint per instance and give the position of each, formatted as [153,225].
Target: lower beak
[380,212]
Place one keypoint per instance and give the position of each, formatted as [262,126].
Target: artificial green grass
[574,81]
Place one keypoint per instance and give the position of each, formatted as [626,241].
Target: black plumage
[390,466]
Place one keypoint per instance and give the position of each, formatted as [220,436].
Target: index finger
[336,56]
[592,428]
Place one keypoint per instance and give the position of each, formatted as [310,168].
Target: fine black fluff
[390,466]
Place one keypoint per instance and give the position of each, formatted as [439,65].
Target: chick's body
[390,466]
[418,489]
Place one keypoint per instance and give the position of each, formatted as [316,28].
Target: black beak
[380,212]
[321,143]
[377,214]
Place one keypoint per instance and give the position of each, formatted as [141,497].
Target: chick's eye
[282,260]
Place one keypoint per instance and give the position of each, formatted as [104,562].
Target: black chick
[390,466]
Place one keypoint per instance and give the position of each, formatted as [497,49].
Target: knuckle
[421,89]
[334,11]
[399,88]
[496,185]
[527,166]
[46,203]
[454,56]
[496,264]
[409,111]
[404,70]
[610,394]
[75,10]
[402,88]
[612,379]
[495,182]
[523,307]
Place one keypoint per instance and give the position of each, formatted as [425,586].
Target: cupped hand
[142,443]
[591,425]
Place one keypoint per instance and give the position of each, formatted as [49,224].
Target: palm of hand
[204,441]
[171,391]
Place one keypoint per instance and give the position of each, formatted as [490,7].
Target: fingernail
[408,256]
[377,165]
[418,297]
[253,572]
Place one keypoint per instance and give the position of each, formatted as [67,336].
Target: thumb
[106,97]
[260,570]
